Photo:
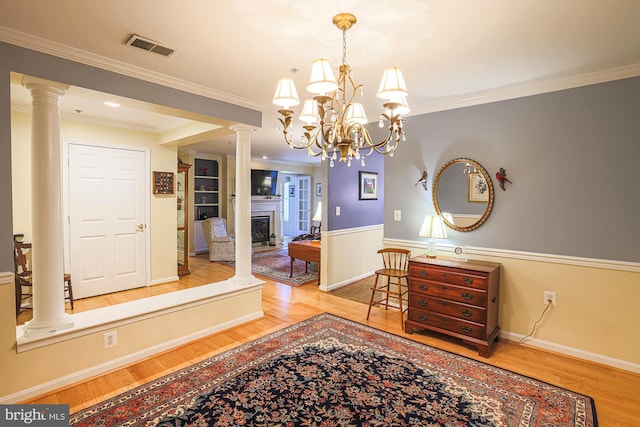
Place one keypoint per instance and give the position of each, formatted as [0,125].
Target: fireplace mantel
[269,206]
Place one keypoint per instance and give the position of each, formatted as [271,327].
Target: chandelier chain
[344,47]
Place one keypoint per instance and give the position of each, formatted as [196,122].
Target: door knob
[140,228]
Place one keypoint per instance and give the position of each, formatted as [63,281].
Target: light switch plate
[397,215]
[337,210]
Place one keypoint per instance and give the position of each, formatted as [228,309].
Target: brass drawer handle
[422,317]
[423,287]
[467,296]
[423,273]
[443,288]
[423,303]
[467,280]
[444,274]
[466,329]
[467,313]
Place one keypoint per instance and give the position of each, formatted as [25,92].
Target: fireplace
[260,229]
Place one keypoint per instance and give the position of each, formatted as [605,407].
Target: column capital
[31,82]
[239,128]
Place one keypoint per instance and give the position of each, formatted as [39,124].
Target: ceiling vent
[150,45]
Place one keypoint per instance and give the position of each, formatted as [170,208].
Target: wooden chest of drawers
[456,298]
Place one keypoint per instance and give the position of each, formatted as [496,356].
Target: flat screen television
[263,182]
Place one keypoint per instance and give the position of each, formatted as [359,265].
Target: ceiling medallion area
[334,123]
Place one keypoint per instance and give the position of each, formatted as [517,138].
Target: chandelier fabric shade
[286,95]
[334,122]
[392,85]
[322,80]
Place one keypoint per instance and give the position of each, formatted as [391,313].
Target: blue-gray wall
[17,59]
[573,157]
[343,191]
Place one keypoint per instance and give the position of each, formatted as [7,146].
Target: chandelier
[334,123]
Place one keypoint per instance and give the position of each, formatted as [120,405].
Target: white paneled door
[107,242]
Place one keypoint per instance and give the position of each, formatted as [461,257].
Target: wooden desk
[306,250]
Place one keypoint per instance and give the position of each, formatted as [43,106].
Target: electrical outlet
[110,339]
[549,296]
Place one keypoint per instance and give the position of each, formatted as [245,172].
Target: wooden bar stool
[396,285]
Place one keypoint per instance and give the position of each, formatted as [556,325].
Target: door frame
[147,194]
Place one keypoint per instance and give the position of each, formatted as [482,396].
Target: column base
[244,281]
[42,328]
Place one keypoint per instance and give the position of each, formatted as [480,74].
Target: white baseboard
[344,283]
[124,360]
[164,280]
[574,352]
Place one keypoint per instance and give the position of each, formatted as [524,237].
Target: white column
[242,216]
[46,203]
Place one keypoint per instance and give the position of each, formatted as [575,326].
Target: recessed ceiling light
[264,157]
[111,104]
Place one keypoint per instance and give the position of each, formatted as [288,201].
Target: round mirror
[463,194]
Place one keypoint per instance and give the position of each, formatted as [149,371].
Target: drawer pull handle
[467,280]
[423,303]
[423,273]
[467,313]
[422,318]
[444,303]
[423,287]
[444,319]
[494,299]
[466,329]
[443,288]
[444,274]
[467,296]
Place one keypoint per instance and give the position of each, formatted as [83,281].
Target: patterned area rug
[328,371]
[276,265]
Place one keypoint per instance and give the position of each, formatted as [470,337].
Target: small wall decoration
[163,182]
[319,189]
[423,181]
[368,185]
[501,176]
[478,188]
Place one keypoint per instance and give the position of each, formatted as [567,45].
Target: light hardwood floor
[616,392]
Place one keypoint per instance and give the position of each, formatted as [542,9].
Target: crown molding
[529,89]
[39,44]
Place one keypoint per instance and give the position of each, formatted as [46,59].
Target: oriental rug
[329,371]
[276,265]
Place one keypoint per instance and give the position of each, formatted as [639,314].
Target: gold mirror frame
[489,206]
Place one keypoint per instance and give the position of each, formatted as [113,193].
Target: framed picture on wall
[368,185]
[478,188]
[319,189]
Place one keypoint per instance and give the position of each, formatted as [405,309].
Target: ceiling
[453,52]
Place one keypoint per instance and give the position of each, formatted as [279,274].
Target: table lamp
[432,228]
[317,218]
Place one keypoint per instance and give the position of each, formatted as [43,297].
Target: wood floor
[616,392]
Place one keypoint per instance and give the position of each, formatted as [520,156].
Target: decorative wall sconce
[423,181]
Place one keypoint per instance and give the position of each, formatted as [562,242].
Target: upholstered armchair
[222,247]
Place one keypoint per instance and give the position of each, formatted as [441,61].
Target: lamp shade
[433,227]
[356,114]
[322,80]
[392,84]
[309,113]
[318,215]
[402,109]
[286,95]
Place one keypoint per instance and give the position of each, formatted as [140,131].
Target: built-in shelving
[206,198]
